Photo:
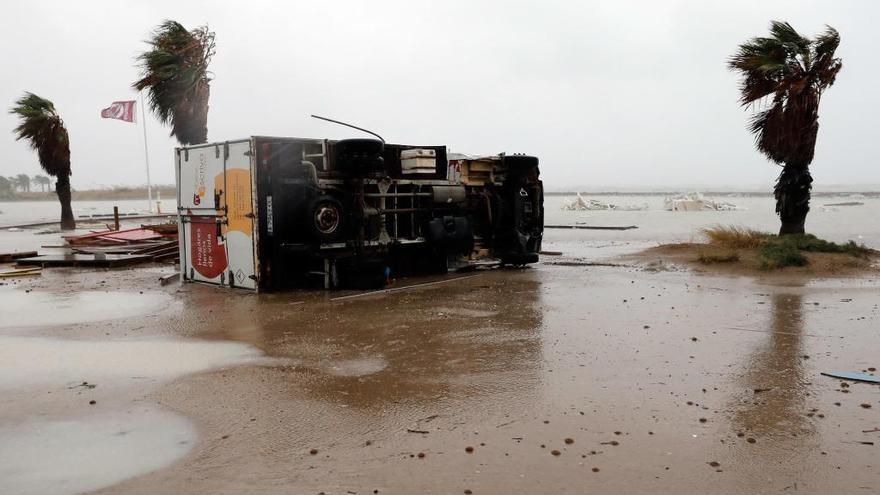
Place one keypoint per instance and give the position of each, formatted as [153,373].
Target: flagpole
[146,153]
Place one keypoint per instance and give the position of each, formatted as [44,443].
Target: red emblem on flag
[119,110]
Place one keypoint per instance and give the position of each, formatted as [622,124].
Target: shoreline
[170,192]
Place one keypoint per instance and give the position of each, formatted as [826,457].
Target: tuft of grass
[813,244]
[735,237]
[708,258]
[773,251]
[780,255]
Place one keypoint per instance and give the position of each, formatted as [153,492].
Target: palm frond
[175,74]
[794,71]
[44,131]
[790,38]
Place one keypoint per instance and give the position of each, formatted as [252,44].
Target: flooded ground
[651,377]
[552,379]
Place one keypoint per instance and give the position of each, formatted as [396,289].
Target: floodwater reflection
[775,390]
[478,335]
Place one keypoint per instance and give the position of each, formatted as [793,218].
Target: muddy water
[74,368]
[22,309]
[640,381]
[77,454]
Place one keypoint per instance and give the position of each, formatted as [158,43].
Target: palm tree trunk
[792,193]
[62,188]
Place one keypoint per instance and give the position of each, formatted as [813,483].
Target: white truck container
[215,192]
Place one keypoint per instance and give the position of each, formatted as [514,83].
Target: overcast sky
[606,93]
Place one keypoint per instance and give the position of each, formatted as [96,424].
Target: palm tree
[45,132]
[42,181]
[175,73]
[792,72]
[23,182]
[7,191]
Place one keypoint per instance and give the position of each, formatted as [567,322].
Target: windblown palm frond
[175,74]
[45,132]
[793,71]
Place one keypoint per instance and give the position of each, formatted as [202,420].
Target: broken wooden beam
[10,257]
[104,261]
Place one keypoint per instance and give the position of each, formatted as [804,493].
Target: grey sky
[611,93]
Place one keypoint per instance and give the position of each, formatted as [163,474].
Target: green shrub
[812,244]
[780,255]
[708,258]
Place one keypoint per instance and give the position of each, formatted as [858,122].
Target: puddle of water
[38,308]
[357,367]
[27,361]
[82,454]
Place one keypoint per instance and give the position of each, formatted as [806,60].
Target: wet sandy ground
[554,379]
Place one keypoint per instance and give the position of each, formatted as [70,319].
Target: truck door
[238,227]
[215,214]
[197,173]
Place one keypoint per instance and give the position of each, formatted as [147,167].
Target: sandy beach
[551,379]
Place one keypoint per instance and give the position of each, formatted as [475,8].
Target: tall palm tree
[788,73]
[45,132]
[175,73]
[23,182]
[7,191]
[42,181]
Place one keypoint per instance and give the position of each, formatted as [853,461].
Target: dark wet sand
[654,376]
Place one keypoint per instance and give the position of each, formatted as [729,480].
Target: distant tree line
[22,183]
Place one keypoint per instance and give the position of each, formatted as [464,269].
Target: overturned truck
[269,213]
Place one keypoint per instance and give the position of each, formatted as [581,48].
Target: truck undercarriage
[292,212]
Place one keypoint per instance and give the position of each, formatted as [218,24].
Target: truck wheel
[326,219]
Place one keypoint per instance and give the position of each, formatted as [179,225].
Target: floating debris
[696,202]
[581,204]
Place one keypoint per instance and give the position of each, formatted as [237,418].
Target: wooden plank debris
[20,272]
[100,261]
[9,257]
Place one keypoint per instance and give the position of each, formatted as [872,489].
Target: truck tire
[326,219]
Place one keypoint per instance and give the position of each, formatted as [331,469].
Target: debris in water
[859,377]
[581,204]
[696,202]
